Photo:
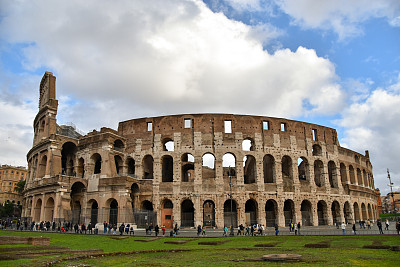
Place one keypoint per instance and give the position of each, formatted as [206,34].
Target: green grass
[344,251]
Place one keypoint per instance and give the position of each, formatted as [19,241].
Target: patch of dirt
[323,244]
[266,245]
[31,248]
[213,243]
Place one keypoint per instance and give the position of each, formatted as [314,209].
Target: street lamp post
[391,190]
[231,197]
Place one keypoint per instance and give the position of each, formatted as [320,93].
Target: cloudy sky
[334,63]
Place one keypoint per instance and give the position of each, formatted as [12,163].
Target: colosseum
[194,169]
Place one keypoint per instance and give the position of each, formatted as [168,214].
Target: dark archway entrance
[251,212]
[306,213]
[113,212]
[187,213]
[94,212]
[209,213]
[166,214]
[322,212]
[270,212]
[288,211]
[336,213]
[230,213]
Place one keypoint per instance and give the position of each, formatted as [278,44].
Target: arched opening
[306,213]
[336,213]
[147,205]
[269,169]
[249,169]
[96,161]
[251,212]
[187,213]
[318,173]
[42,167]
[131,166]
[359,177]
[81,168]
[94,211]
[287,174]
[303,169]
[148,167]
[167,168]
[248,144]
[316,150]
[118,165]
[208,166]
[229,164]
[230,213]
[119,145]
[352,175]
[365,179]
[370,215]
[343,173]
[332,174]
[113,212]
[348,218]
[68,153]
[187,167]
[78,190]
[37,210]
[271,210]
[322,213]
[145,215]
[166,214]
[356,212]
[288,211]
[168,144]
[209,213]
[134,196]
[49,210]
[364,212]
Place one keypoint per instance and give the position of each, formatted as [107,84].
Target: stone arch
[187,213]
[288,211]
[248,144]
[352,175]
[359,177]
[322,213]
[287,174]
[316,150]
[269,169]
[68,154]
[332,174]
[343,173]
[130,162]
[271,212]
[249,169]
[96,161]
[78,190]
[229,163]
[356,212]
[230,213]
[119,145]
[365,178]
[187,167]
[364,212]
[306,213]
[167,213]
[167,163]
[113,216]
[208,166]
[42,167]
[209,213]
[37,210]
[93,207]
[370,215]
[336,217]
[81,168]
[319,173]
[303,169]
[251,208]
[118,164]
[49,210]
[148,163]
[348,217]
[147,205]
[134,196]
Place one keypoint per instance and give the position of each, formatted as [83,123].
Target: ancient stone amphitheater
[194,169]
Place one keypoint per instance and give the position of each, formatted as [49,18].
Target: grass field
[343,251]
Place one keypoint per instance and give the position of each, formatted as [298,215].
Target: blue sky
[334,63]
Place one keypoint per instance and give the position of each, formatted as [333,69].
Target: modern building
[9,177]
[194,169]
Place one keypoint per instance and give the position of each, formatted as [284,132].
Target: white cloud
[374,124]
[342,16]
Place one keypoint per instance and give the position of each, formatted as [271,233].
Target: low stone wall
[11,240]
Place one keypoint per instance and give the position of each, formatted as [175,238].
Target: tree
[19,187]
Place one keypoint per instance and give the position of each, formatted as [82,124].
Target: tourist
[276,229]
[105,227]
[203,232]
[150,228]
[379,224]
[89,227]
[131,231]
[156,229]
[127,229]
[298,227]
[110,227]
[368,224]
[121,229]
[225,231]
[343,228]
[354,229]
[295,229]
[198,230]
[114,229]
[163,230]
[176,229]
[387,224]
[76,228]
[398,227]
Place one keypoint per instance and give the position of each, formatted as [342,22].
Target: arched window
[248,144]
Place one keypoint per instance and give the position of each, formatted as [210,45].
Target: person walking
[105,225]
[368,224]
[387,225]
[343,228]
[295,229]
[379,224]
[198,230]
[276,229]
[398,227]
[354,229]
[163,230]
[298,227]
[156,229]
[203,230]
[225,231]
